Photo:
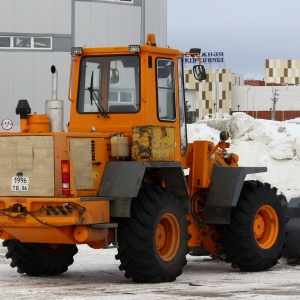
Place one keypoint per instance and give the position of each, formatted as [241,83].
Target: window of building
[4,42]
[21,42]
[42,42]
[121,96]
[25,42]
[124,1]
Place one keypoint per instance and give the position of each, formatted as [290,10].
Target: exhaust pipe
[55,108]
[54,82]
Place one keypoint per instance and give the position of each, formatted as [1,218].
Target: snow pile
[273,144]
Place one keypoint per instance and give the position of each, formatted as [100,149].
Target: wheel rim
[266,226]
[167,237]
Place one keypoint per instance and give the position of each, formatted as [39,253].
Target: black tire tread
[35,260]
[136,250]
[237,240]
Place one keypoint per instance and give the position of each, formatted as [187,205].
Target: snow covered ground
[260,143]
[95,275]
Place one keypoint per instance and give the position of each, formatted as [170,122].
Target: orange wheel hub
[266,226]
[167,237]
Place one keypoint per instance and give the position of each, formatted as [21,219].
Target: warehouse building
[36,34]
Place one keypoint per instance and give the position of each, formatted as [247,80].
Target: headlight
[76,51]
[134,48]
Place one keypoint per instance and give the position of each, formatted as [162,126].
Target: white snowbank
[258,142]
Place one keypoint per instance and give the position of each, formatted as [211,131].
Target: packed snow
[95,275]
[259,143]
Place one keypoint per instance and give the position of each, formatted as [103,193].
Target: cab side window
[165,89]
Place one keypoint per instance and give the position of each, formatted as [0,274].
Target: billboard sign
[207,58]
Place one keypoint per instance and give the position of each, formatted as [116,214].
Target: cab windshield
[109,84]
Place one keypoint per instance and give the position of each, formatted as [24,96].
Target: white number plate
[20,184]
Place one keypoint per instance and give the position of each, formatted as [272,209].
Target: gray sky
[248,32]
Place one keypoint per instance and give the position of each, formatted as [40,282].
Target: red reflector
[65,177]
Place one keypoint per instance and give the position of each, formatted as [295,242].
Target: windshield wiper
[96,98]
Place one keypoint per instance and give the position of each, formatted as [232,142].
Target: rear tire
[153,242]
[40,259]
[254,239]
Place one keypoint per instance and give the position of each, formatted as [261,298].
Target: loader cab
[115,89]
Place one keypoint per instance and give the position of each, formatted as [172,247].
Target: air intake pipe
[23,109]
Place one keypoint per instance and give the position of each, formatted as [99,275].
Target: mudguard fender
[122,180]
[224,192]
[292,249]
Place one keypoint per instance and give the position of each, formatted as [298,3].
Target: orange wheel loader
[116,178]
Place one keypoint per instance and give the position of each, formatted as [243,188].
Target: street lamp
[274,99]
[238,107]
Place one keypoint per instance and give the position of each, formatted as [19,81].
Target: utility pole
[274,99]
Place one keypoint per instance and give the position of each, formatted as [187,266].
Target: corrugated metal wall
[25,73]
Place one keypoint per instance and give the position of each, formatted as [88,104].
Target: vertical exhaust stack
[54,82]
[55,108]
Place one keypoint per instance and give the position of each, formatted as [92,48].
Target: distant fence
[280,115]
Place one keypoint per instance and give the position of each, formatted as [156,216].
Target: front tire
[40,259]
[153,242]
[254,239]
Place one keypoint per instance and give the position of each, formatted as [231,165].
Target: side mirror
[114,76]
[199,72]
[195,50]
